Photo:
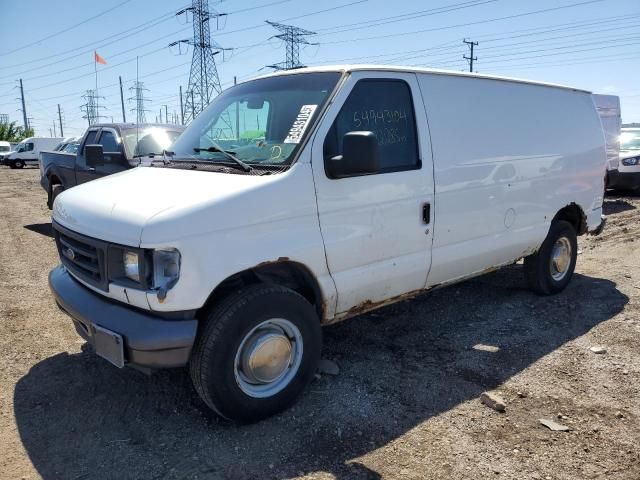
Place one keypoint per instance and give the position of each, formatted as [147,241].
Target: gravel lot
[404,405]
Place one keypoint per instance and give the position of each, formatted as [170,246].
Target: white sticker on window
[300,124]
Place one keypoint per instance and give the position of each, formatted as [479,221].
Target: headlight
[630,162]
[131,262]
[166,271]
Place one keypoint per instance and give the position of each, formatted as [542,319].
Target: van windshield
[261,122]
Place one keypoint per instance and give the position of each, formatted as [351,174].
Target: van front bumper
[624,180]
[147,340]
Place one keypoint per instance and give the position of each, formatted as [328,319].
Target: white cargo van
[309,196]
[608,107]
[28,151]
[5,149]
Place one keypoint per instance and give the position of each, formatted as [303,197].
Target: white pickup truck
[309,196]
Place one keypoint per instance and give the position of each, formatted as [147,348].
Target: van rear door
[377,227]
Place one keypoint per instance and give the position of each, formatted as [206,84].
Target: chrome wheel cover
[268,358]
[560,258]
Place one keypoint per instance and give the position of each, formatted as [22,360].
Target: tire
[221,373]
[546,276]
[55,191]
[18,164]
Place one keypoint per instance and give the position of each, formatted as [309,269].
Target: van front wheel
[18,164]
[257,351]
[549,270]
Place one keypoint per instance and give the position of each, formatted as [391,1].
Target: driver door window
[384,107]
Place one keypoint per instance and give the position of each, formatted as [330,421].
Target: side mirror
[360,156]
[94,155]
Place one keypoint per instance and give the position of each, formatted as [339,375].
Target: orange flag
[99,59]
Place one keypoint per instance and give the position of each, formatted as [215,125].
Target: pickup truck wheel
[55,191]
[257,351]
[18,164]
[549,270]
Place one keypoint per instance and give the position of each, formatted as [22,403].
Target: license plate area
[109,345]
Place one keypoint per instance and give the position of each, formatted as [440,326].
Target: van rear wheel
[257,351]
[549,270]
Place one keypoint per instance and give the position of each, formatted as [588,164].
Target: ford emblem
[69,253]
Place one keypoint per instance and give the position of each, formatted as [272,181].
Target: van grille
[83,256]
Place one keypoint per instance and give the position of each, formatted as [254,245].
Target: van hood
[629,153]
[117,208]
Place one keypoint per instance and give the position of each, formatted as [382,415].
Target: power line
[404,17]
[489,20]
[96,44]
[60,32]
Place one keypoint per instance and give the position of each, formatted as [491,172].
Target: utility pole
[181,108]
[124,117]
[160,114]
[55,133]
[204,82]
[60,120]
[470,58]
[166,114]
[292,37]
[24,109]
[235,82]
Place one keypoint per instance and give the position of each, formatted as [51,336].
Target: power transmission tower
[91,109]
[470,58]
[4,118]
[204,82]
[292,37]
[139,98]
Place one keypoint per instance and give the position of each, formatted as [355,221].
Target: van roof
[433,71]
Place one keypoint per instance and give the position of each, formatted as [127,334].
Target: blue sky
[591,44]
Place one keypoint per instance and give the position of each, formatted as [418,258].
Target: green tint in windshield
[260,122]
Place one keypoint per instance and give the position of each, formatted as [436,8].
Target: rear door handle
[92,169]
[426,213]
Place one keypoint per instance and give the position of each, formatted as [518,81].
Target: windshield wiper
[229,154]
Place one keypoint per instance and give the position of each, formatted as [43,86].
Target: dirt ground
[404,405]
